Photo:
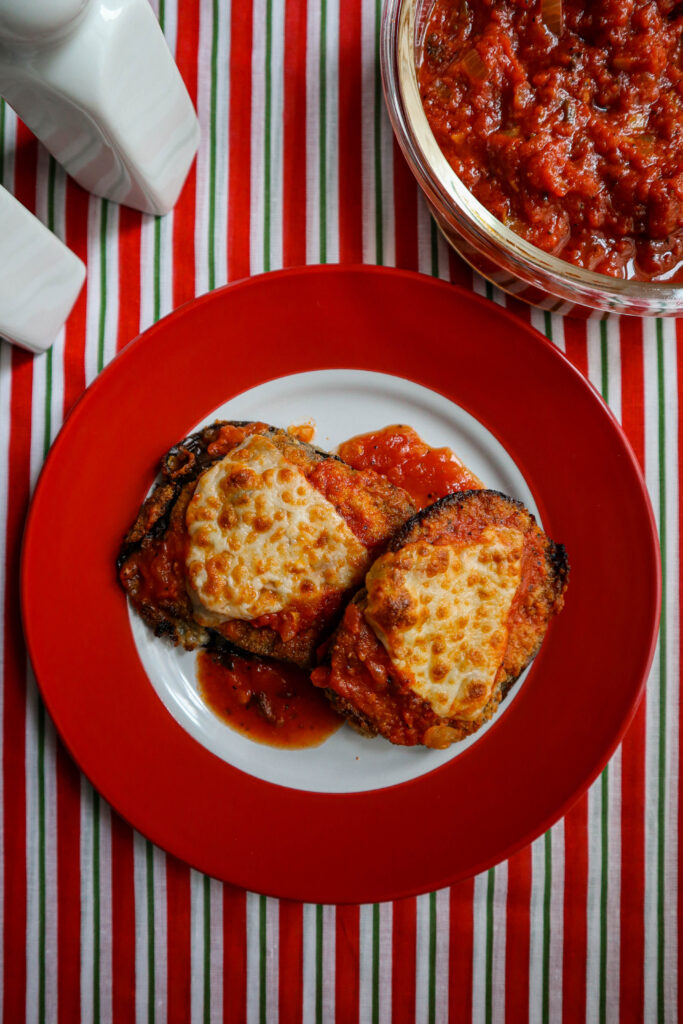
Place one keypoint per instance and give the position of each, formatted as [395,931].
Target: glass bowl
[496,252]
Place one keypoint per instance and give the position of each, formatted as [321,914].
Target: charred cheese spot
[260,536]
[441,613]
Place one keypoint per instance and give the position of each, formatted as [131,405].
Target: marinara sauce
[400,454]
[565,119]
[267,701]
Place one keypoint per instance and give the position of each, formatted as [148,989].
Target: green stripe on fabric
[434,234]
[604,381]
[548,325]
[379,218]
[207,949]
[96,906]
[375,963]
[212,145]
[322,114]
[319,964]
[661,795]
[488,999]
[151,981]
[267,146]
[103,284]
[431,988]
[547,890]
[262,948]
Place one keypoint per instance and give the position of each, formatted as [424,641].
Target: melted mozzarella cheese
[441,613]
[261,536]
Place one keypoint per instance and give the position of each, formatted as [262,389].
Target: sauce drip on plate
[267,701]
[400,454]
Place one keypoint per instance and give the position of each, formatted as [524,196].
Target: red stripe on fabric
[294,161]
[403,951]
[459,272]
[350,135]
[234,954]
[347,978]
[290,971]
[517,937]
[130,228]
[187,49]
[14,698]
[68,885]
[632,896]
[239,178]
[76,217]
[123,921]
[575,921]
[405,213]
[178,911]
[575,345]
[460,951]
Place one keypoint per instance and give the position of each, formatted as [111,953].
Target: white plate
[341,403]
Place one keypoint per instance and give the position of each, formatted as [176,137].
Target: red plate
[546,748]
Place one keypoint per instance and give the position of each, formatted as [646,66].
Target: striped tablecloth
[298,165]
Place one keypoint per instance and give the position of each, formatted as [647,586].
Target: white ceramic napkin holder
[39,278]
[96,82]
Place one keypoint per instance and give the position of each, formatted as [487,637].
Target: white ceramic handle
[39,278]
[102,93]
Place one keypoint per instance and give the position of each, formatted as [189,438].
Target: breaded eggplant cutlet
[450,616]
[253,538]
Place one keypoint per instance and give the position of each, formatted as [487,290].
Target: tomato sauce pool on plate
[565,119]
[274,703]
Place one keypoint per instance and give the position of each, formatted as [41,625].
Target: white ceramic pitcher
[95,81]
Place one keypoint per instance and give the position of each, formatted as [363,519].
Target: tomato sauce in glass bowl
[565,120]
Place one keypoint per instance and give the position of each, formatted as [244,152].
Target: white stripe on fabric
[365,965]
[612,953]
[94,290]
[331,44]
[203,177]
[272,965]
[308,966]
[443,917]
[422,965]
[253,958]
[555,958]
[536,929]
[277,96]
[479,937]
[196,947]
[106,980]
[500,899]
[216,951]
[650,387]
[593,895]
[329,964]
[313,127]
[386,938]
[671,599]
[613,367]
[259,201]
[143,995]
[220,243]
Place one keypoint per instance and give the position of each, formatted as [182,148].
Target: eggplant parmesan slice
[253,539]
[450,616]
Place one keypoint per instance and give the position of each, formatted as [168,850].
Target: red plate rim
[536,760]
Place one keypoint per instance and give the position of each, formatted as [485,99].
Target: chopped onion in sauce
[553,15]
